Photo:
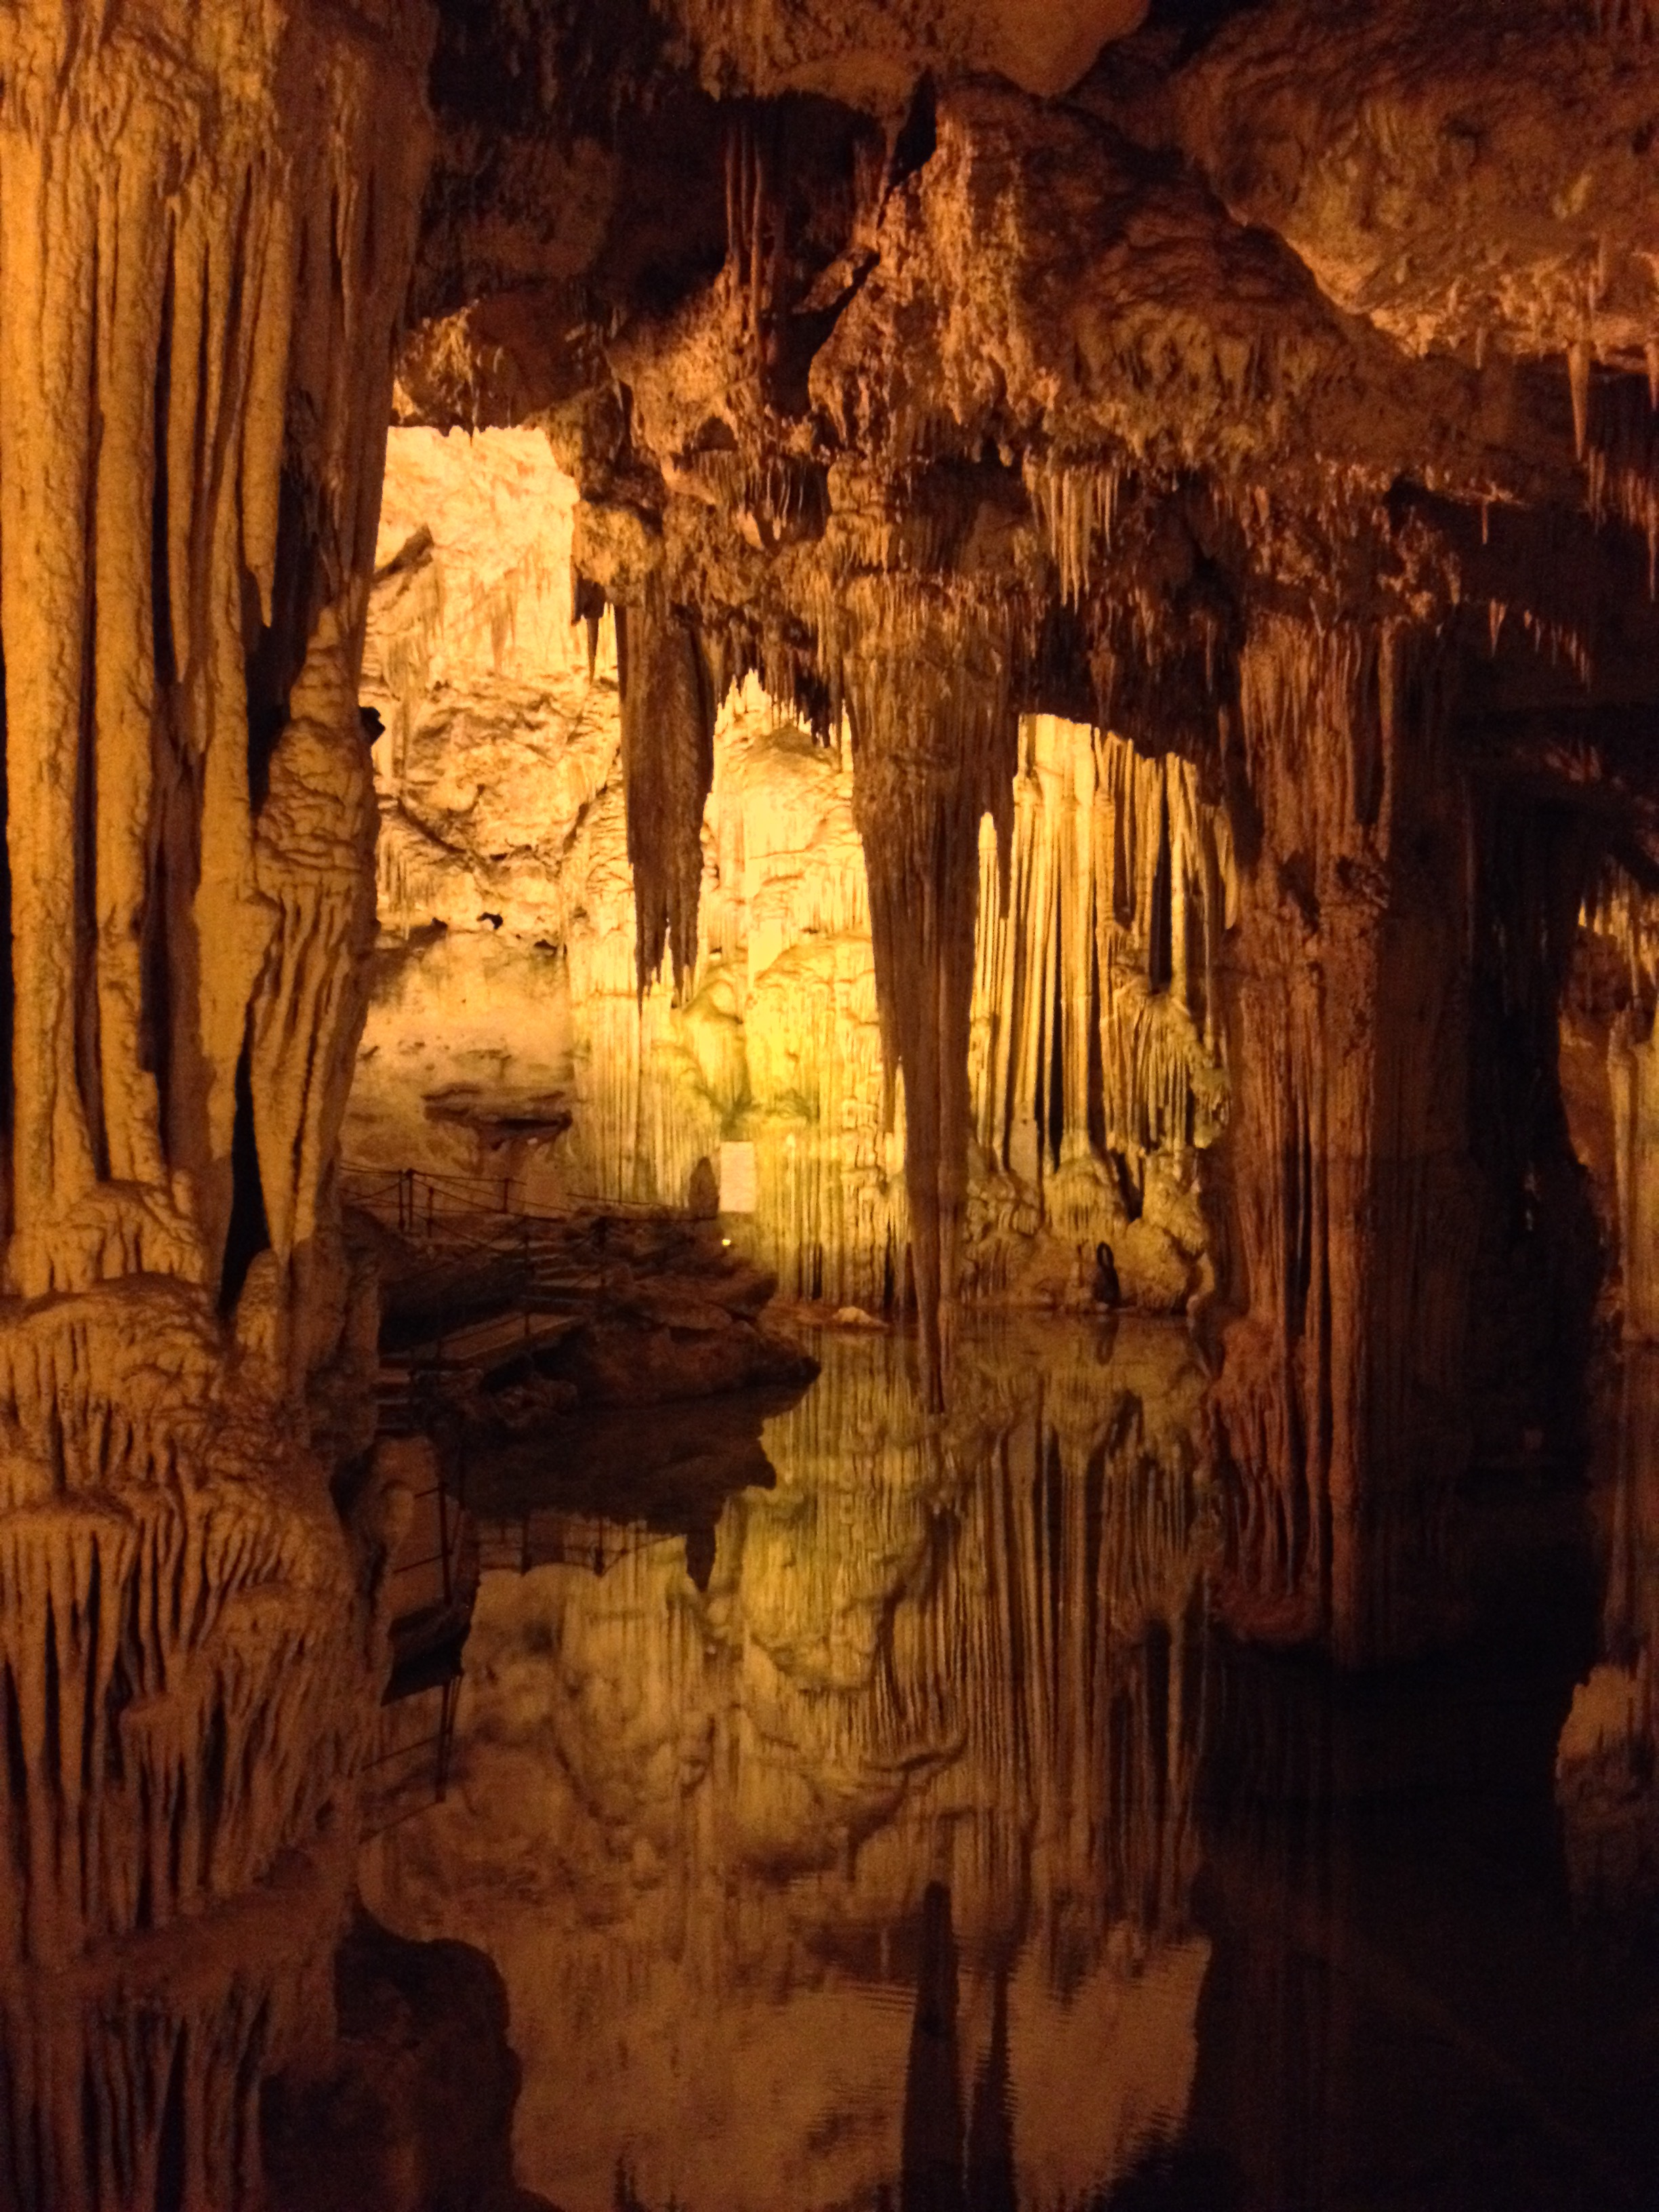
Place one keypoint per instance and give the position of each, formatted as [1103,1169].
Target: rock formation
[511,1042]
[1097,682]
[207,221]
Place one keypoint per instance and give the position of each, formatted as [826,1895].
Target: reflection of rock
[412,2111]
[697,1349]
[584,1485]
[1607,1764]
[931,2143]
[697,1831]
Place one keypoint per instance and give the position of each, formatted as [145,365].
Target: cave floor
[864,1812]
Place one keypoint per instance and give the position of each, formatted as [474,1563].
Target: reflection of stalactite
[967,1652]
[931,2142]
[1044,1649]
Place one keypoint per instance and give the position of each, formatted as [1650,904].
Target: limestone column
[1352,1182]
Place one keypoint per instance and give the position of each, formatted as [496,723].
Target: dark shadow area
[666,1469]
[1401,2006]
[250,1232]
[415,2109]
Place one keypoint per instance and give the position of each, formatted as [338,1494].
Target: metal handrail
[482,1194]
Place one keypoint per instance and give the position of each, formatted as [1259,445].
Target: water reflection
[855,1813]
[865,1876]
[1608,1761]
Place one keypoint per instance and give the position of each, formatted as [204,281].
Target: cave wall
[207,221]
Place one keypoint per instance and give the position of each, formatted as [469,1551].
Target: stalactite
[783,987]
[1622,460]
[668,762]
[1071,950]
[1076,505]
[934,737]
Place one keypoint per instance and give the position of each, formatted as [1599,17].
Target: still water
[873,1818]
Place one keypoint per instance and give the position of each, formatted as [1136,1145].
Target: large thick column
[934,746]
[1352,1188]
[207,220]
[203,254]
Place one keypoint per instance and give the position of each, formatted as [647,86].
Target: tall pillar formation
[1341,1395]
[207,221]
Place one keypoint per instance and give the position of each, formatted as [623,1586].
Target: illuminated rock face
[1094,1050]
[206,222]
[698,1832]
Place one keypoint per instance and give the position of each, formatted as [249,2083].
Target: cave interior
[723,723]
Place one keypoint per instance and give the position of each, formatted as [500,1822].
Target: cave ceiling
[1089,331]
